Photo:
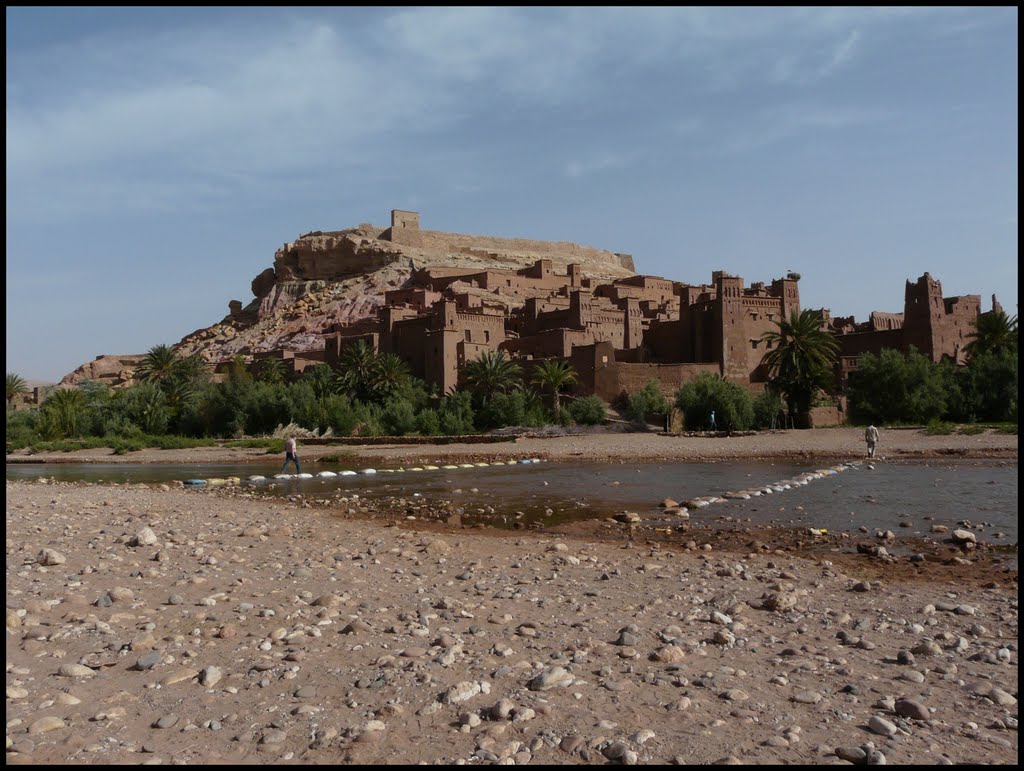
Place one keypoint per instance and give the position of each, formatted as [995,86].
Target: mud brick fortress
[623,332]
[438,300]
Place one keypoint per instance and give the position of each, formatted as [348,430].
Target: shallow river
[920,492]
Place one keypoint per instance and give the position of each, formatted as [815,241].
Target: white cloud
[214,110]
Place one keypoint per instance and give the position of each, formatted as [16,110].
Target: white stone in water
[327,474]
[368,471]
[465,465]
[256,478]
[346,473]
[304,475]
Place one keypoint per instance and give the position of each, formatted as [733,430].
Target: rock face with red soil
[339,277]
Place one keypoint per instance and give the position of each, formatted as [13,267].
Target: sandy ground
[163,625]
[838,443]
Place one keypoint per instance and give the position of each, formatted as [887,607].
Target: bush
[588,411]
[455,414]
[937,427]
[732,404]
[972,430]
[398,418]
[647,401]
[769,411]
[893,387]
[517,408]
[427,423]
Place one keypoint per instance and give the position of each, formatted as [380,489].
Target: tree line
[372,394]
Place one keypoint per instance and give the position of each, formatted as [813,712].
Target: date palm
[356,370]
[16,386]
[65,407]
[271,371]
[993,332]
[159,365]
[388,376]
[491,373]
[800,359]
[554,376]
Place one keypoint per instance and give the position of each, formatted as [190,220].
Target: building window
[487,336]
[753,344]
[468,336]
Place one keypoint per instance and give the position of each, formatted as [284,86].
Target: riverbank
[824,443]
[168,625]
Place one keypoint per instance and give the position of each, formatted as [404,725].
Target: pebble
[881,726]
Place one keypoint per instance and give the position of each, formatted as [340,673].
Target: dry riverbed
[162,625]
[837,443]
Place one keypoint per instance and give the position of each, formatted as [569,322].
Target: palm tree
[389,375]
[65,406]
[271,371]
[356,370]
[16,386]
[993,332]
[800,359]
[491,373]
[554,376]
[160,365]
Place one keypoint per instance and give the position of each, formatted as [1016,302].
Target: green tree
[271,371]
[769,411]
[994,384]
[238,372]
[491,374]
[16,387]
[160,364]
[893,387]
[732,404]
[356,370]
[389,376]
[64,409]
[800,359]
[588,411]
[147,407]
[993,332]
[647,401]
[554,376]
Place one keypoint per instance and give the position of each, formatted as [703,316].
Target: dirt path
[838,443]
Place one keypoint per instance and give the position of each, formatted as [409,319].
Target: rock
[148,661]
[145,537]
[210,677]
[555,677]
[964,536]
[46,724]
[912,709]
[167,721]
[50,557]
[735,694]
[75,670]
[461,692]
[668,503]
[854,755]
[807,697]
[881,726]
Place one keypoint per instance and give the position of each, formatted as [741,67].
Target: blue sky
[156,158]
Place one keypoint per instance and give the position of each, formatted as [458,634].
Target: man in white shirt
[291,453]
[871,437]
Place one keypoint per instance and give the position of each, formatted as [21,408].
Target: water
[944,492]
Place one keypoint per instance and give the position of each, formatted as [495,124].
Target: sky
[156,158]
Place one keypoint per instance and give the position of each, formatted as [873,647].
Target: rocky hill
[339,277]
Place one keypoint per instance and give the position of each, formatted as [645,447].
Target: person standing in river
[871,437]
[291,453]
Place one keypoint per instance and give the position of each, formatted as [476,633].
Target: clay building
[936,326]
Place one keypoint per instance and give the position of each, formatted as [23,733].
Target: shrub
[732,404]
[455,414]
[894,387]
[769,411]
[398,418]
[427,423]
[647,401]
[937,427]
[588,411]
